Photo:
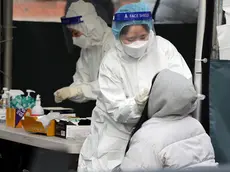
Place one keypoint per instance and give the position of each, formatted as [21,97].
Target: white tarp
[175,11]
[226,8]
[223,35]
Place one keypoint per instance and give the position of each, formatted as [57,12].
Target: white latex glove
[66,93]
[142,97]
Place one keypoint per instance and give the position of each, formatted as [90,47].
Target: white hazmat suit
[121,79]
[96,40]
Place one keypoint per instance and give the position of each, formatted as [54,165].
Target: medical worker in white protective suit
[91,33]
[125,79]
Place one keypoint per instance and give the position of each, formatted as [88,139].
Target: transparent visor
[66,22]
[123,19]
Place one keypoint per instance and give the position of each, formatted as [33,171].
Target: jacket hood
[171,95]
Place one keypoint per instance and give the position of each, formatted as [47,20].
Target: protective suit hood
[172,95]
[93,26]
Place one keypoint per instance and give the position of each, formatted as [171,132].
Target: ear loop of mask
[144,116]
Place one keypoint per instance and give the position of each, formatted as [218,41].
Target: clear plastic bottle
[5,98]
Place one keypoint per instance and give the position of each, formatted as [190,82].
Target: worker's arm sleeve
[82,80]
[113,98]
[176,61]
[140,157]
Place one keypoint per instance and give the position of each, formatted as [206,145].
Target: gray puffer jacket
[171,138]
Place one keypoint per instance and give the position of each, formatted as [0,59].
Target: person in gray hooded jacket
[170,137]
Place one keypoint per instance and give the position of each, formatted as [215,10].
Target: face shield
[123,19]
[68,35]
[137,46]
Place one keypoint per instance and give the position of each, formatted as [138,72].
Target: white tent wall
[226,8]
[170,11]
[175,11]
[223,32]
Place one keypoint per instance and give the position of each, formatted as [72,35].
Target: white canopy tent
[223,31]
[175,11]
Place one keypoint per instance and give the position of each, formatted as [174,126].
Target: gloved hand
[142,97]
[66,93]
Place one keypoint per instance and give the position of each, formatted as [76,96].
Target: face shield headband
[130,16]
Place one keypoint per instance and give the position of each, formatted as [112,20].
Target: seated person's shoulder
[164,133]
[195,124]
[184,130]
[187,127]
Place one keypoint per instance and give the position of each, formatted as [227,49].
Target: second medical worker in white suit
[125,79]
[91,33]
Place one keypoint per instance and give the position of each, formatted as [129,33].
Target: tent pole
[8,35]
[217,20]
[198,55]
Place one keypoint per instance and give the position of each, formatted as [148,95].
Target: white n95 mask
[82,41]
[136,49]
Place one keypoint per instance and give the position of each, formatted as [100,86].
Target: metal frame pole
[198,57]
[0,32]
[8,33]
[217,20]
